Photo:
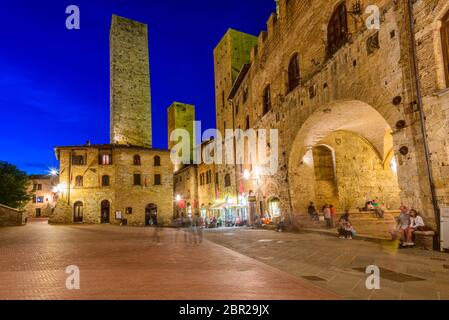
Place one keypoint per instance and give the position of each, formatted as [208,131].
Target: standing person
[199,228]
[312,211]
[333,215]
[416,224]
[327,216]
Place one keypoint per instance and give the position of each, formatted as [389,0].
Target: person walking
[333,215]
[327,216]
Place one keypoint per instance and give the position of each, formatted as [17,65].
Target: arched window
[105,181]
[293,73]
[227,180]
[337,29]
[78,212]
[445,45]
[157,161]
[137,160]
[266,100]
[79,181]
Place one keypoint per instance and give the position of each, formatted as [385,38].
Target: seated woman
[416,224]
[345,230]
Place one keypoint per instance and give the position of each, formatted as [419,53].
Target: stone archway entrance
[342,155]
[151,214]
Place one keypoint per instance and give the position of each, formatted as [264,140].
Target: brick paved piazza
[125,263]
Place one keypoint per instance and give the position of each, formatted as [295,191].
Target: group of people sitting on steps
[408,222]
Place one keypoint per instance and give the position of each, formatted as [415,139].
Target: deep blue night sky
[54,82]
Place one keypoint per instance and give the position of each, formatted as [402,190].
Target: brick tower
[130,83]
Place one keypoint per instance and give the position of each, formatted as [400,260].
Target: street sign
[252,199]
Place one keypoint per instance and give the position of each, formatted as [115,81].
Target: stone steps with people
[363,222]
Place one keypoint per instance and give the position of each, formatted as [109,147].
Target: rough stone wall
[428,15]
[121,193]
[186,186]
[361,174]
[356,74]
[130,83]
[10,217]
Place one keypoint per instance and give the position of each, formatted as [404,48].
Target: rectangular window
[445,46]
[157,179]
[216,178]
[38,212]
[105,158]
[39,187]
[137,179]
[34,187]
[34,199]
[78,160]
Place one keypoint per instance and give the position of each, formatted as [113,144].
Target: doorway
[105,211]
[78,210]
[151,215]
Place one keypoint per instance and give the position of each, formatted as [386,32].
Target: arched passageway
[343,155]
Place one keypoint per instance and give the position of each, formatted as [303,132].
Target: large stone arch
[352,116]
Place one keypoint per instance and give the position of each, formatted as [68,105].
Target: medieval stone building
[362,111]
[126,180]
[43,199]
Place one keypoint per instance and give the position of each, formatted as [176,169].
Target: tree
[13,186]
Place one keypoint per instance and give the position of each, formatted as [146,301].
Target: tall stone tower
[130,83]
[181,116]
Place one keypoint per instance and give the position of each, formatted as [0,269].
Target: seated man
[403,223]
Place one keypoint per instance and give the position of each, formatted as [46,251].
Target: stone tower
[181,116]
[130,83]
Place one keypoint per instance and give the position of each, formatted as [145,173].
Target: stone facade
[44,199]
[365,89]
[185,187]
[127,179]
[181,116]
[113,179]
[10,217]
[130,83]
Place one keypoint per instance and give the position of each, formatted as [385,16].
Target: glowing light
[178,198]
[246,174]
[60,188]
[394,166]
[257,172]
[53,172]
